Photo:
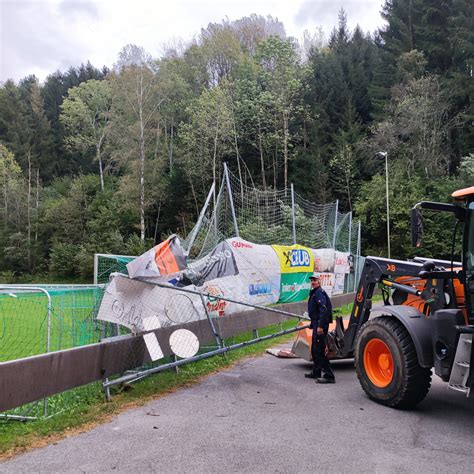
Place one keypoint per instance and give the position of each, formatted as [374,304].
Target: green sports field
[24,320]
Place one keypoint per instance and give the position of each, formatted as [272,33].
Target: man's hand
[319,331]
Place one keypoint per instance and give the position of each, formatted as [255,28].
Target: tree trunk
[101,170]
[5,196]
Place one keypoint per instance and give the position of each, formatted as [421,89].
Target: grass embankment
[86,406]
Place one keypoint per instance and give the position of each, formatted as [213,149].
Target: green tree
[85,114]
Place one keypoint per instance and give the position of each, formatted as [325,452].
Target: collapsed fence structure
[51,341]
[269,216]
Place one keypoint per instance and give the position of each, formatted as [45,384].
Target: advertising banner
[327,282]
[218,264]
[294,287]
[324,260]
[166,258]
[257,280]
[338,288]
[341,262]
[294,258]
[141,306]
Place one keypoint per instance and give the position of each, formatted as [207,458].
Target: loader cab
[463,210]
[468,250]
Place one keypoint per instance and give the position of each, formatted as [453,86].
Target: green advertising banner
[294,287]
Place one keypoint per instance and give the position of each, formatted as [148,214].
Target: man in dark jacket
[320,312]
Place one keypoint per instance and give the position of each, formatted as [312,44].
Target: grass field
[24,321]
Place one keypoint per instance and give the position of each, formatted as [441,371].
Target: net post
[226,173]
[96,267]
[293,219]
[357,265]
[335,225]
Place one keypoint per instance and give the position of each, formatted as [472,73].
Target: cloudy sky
[40,36]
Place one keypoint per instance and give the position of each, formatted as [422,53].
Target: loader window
[469,260]
[470,240]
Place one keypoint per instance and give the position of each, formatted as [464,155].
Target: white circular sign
[184,343]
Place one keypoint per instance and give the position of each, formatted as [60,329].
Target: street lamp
[385,155]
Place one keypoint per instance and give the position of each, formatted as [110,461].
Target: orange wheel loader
[426,322]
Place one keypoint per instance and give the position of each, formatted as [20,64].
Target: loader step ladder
[462,363]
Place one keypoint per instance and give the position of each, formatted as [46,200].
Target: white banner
[141,306]
[341,262]
[338,288]
[327,282]
[323,260]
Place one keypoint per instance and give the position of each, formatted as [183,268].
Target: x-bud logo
[297,258]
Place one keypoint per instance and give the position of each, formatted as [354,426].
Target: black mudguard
[417,325]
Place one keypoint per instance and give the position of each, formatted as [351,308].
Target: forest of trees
[113,160]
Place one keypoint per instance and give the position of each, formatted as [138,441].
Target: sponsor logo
[241,245]
[297,258]
[294,287]
[391,267]
[256,289]
[218,256]
[214,304]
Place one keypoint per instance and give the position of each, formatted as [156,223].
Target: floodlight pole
[335,225]
[385,155]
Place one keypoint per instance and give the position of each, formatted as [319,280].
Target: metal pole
[357,268]
[335,225]
[293,212]
[96,267]
[196,228]
[206,355]
[350,231]
[226,173]
[211,323]
[388,208]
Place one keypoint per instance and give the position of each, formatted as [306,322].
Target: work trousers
[321,366]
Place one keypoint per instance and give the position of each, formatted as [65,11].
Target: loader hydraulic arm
[376,270]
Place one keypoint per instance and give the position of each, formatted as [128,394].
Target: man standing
[320,312]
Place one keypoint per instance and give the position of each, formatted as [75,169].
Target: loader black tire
[407,383]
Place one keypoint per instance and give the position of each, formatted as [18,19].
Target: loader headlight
[441,350]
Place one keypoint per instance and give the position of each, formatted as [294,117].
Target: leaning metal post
[196,228]
[335,225]
[293,212]
[226,173]
[211,323]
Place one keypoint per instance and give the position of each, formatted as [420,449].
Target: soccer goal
[105,264]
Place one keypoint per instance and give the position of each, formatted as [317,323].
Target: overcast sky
[40,36]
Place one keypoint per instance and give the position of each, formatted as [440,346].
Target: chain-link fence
[40,319]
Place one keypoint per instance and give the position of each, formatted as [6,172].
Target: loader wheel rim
[378,363]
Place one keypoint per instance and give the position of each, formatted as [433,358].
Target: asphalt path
[262,415]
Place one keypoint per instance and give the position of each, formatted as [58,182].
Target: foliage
[111,161]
